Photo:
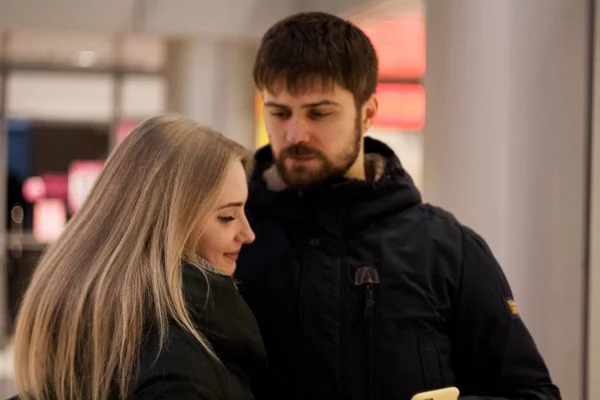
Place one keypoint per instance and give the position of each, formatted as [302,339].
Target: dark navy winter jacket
[361,291]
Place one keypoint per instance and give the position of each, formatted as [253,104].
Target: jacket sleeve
[495,355]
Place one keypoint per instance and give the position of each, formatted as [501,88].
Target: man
[362,291]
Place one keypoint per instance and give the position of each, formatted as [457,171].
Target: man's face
[316,134]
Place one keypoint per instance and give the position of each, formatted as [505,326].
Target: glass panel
[60,96]
[40,155]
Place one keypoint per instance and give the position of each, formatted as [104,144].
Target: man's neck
[357,170]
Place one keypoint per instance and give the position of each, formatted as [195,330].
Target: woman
[135,299]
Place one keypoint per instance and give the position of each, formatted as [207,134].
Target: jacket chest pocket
[409,361]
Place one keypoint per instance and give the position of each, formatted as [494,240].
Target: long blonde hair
[117,266]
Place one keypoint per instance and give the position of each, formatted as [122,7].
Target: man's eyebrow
[274,104]
[322,103]
[308,105]
[231,205]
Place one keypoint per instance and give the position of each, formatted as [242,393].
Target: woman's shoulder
[220,314]
[180,364]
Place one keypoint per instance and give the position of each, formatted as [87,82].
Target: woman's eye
[226,219]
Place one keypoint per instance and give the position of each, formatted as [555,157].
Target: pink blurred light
[56,185]
[34,188]
[49,219]
[123,129]
[401,106]
[81,179]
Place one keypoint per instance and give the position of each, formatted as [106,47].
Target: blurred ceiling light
[86,58]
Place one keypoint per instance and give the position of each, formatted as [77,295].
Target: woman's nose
[247,235]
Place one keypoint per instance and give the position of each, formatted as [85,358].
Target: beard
[322,168]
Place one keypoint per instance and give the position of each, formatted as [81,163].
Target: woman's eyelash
[226,219]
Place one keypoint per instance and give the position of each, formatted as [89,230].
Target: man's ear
[368,113]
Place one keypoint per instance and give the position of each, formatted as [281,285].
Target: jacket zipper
[367,277]
[342,378]
[299,348]
[369,304]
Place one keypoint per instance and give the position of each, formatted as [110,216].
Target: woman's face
[227,229]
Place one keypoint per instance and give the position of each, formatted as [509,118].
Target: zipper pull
[367,276]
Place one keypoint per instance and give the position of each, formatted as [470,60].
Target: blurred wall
[210,81]
[222,19]
[594,229]
[506,152]
[229,18]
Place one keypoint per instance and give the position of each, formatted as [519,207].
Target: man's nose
[297,132]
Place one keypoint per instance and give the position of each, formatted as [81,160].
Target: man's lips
[307,157]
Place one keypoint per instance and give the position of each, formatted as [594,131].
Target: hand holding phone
[449,393]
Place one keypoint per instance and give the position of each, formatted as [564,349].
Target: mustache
[299,150]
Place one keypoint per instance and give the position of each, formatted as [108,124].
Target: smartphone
[449,393]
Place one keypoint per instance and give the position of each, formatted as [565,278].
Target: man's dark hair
[318,45]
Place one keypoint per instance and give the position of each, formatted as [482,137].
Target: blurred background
[491,105]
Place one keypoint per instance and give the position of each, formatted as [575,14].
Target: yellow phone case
[449,393]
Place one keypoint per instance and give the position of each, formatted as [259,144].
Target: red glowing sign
[45,186]
[56,185]
[400,45]
[401,107]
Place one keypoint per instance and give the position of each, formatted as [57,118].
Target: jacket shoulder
[439,215]
[182,367]
[450,237]
[444,220]
[442,226]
